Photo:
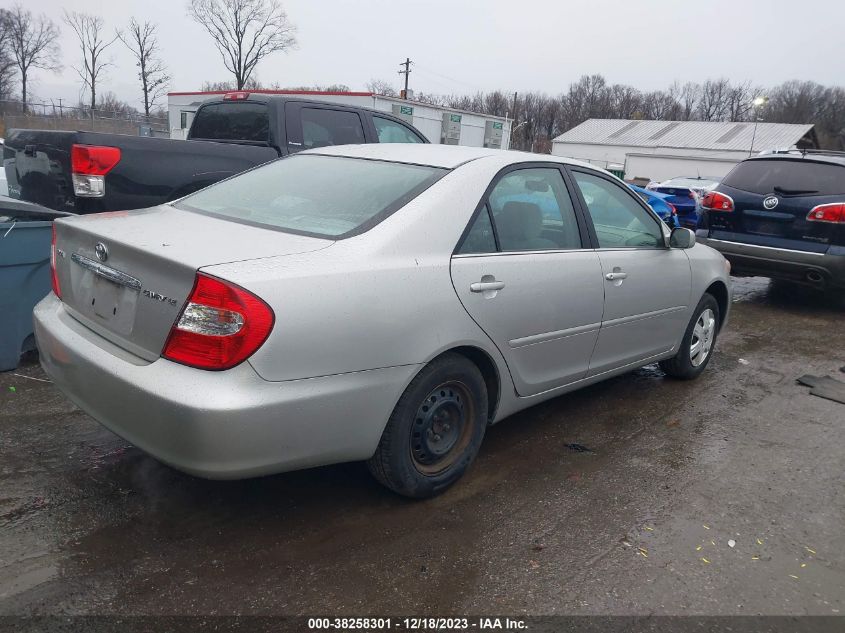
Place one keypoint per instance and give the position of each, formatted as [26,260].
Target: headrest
[520,221]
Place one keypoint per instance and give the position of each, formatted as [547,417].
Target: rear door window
[322,127]
[532,210]
[480,238]
[392,132]
[787,177]
[236,121]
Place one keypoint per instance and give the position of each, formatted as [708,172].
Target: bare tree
[660,106]
[108,102]
[713,104]
[33,42]
[244,31]
[625,101]
[796,102]
[89,32]
[497,103]
[314,88]
[219,86]
[142,42]
[740,101]
[8,78]
[428,97]
[381,87]
[687,97]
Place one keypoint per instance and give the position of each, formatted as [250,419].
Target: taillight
[834,213]
[220,326]
[715,201]
[672,206]
[54,279]
[89,165]
[236,96]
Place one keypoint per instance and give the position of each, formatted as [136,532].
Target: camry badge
[770,202]
[101,251]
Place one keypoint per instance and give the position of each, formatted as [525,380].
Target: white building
[438,124]
[659,150]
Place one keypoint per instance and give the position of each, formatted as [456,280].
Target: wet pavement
[641,523]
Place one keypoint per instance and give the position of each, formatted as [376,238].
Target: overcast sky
[465,46]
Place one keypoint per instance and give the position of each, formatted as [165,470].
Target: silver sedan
[378,302]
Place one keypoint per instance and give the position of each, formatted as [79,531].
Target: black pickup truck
[90,172]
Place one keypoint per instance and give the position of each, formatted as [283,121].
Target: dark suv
[782,216]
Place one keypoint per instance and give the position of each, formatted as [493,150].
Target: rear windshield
[788,177]
[236,121]
[323,196]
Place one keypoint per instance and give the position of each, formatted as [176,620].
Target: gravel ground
[719,496]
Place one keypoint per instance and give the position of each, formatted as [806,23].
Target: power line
[452,79]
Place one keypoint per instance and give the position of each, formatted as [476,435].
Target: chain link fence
[55,115]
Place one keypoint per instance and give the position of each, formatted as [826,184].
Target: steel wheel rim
[442,427]
[703,335]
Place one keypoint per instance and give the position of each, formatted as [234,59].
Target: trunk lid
[126,275]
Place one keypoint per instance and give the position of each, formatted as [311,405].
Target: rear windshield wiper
[793,192]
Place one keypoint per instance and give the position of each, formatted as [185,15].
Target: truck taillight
[236,96]
[89,165]
[220,326]
[833,213]
[54,279]
[715,201]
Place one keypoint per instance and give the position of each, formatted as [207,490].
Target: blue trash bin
[25,233]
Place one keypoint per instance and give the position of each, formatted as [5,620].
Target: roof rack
[806,151]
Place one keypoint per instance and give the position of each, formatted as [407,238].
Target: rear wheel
[435,429]
[697,345]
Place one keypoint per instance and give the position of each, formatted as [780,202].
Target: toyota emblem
[770,202]
[101,251]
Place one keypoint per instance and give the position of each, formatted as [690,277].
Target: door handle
[615,276]
[484,286]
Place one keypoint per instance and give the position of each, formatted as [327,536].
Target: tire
[435,430]
[688,364]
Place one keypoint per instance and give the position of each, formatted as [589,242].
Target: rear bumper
[823,269]
[220,425]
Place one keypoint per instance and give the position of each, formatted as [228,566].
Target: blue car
[657,201]
[686,194]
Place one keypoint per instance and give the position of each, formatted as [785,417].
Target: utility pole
[513,123]
[406,72]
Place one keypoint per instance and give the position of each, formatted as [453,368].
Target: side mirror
[681,238]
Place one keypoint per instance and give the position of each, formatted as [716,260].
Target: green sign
[455,118]
[497,125]
[408,110]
